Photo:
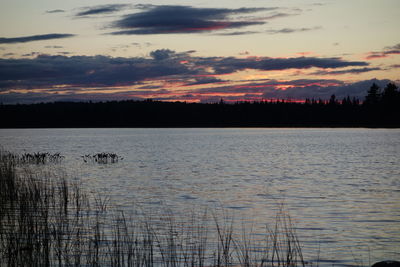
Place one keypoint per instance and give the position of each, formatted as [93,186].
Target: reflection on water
[341,186]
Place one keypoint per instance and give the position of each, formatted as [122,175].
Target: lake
[340,186]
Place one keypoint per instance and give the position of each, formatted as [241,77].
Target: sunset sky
[197,51]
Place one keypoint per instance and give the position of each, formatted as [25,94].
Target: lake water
[341,186]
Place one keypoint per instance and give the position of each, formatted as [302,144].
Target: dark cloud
[53,46]
[161,54]
[280,15]
[67,78]
[84,71]
[101,9]
[394,47]
[348,71]
[140,45]
[384,54]
[231,64]
[388,51]
[45,71]
[31,54]
[55,11]
[205,80]
[237,33]
[33,38]
[118,47]
[183,19]
[293,30]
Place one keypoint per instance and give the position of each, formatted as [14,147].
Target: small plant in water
[102,158]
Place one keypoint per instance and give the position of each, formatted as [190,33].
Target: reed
[50,221]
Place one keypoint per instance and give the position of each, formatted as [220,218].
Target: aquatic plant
[102,158]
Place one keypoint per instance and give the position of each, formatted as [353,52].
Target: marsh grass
[50,221]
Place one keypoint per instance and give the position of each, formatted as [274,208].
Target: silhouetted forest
[380,108]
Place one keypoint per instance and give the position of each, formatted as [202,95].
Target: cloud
[237,33]
[347,71]
[205,80]
[45,71]
[67,78]
[293,30]
[53,46]
[141,45]
[33,38]
[64,53]
[280,15]
[168,19]
[388,51]
[231,64]
[161,54]
[394,47]
[55,11]
[31,54]
[384,54]
[101,9]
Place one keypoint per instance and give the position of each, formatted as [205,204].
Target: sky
[196,51]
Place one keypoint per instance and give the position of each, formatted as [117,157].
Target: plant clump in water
[102,158]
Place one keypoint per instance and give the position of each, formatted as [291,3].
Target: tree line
[379,108]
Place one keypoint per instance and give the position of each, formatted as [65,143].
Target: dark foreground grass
[47,221]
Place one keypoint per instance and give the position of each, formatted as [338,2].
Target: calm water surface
[341,186]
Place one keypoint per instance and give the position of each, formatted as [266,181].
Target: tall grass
[49,221]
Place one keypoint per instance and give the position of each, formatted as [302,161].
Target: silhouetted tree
[346,101]
[390,95]
[332,100]
[373,95]
[355,101]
